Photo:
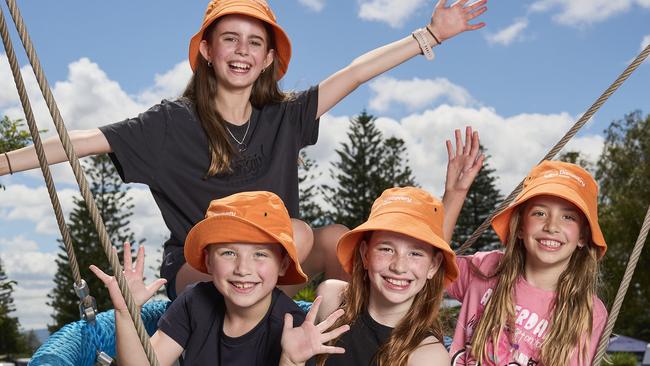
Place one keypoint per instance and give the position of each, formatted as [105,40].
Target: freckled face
[551,231]
[398,266]
[238,50]
[245,274]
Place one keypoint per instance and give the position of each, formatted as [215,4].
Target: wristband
[420,37]
[11,172]
[433,35]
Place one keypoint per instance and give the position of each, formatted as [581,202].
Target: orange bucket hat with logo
[258,9]
[559,179]
[248,217]
[409,211]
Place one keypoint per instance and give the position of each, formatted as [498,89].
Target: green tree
[115,209]
[367,165]
[12,136]
[310,210]
[575,157]
[483,197]
[623,173]
[12,342]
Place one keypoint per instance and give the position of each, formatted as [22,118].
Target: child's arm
[332,293]
[129,348]
[429,352]
[85,142]
[446,22]
[462,167]
[306,341]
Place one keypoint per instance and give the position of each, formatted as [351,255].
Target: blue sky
[522,81]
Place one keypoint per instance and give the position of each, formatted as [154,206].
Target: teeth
[239,65]
[550,243]
[243,285]
[397,282]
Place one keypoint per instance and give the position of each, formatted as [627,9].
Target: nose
[551,224]
[398,264]
[242,266]
[242,48]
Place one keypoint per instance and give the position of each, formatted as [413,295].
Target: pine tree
[11,340]
[368,164]
[115,209]
[483,197]
[12,136]
[310,210]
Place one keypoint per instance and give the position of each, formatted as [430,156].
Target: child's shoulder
[431,351]
[483,261]
[282,304]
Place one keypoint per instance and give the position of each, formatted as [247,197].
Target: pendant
[242,147]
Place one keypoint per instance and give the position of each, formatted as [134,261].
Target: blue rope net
[78,343]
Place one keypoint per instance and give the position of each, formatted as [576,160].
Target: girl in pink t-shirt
[535,303]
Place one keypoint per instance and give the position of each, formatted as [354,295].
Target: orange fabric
[258,9]
[409,211]
[559,179]
[248,217]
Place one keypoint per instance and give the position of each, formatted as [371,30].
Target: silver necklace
[240,144]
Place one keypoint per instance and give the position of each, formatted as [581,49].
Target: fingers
[441,4]
[100,274]
[326,337]
[459,142]
[288,323]
[311,315]
[128,262]
[450,150]
[156,285]
[332,349]
[475,5]
[139,261]
[331,319]
[475,147]
[468,138]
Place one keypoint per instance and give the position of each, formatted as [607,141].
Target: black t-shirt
[361,342]
[195,321]
[167,149]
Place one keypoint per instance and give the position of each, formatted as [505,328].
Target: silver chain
[243,137]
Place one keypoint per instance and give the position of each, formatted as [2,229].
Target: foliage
[368,164]
[623,173]
[12,136]
[310,210]
[12,342]
[623,359]
[115,209]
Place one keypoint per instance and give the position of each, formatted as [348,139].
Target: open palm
[448,21]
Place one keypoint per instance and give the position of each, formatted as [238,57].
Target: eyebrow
[563,208]
[239,35]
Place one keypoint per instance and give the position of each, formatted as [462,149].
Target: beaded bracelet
[420,37]
[433,35]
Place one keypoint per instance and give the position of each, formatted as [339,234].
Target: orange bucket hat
[258,9]
[559,179]
[409,211]
[247,217]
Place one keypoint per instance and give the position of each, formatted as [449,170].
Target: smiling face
[246,274]
[551,231]
[238,48]
[398,267]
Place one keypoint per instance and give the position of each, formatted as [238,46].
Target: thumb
[288,322]
[156,285]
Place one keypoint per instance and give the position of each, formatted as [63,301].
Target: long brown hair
[202,92]
[420,322]
[571,323]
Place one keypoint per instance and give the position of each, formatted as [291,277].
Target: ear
[436,262]
[204,48]
[284,264]
[363,250]
[208,259]
[270,56]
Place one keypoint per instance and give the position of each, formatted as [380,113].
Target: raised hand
[448,21]
[464,163]
[304,342]
[134,278]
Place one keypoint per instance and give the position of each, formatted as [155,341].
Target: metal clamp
[87,303]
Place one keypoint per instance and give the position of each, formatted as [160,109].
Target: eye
[537,213]
[256,43]
[230,39]
[387,250]
[228,253]
[261,255]
[571,217]
[417,254]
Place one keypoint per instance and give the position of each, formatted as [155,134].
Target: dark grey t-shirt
[195,321]
[361,342]
[167,149]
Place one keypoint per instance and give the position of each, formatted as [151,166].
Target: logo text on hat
[562,173]
[392,199]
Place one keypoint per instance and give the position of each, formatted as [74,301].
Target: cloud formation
[585,12]
[314,5]
[510,34]
[393,13]
[416,93]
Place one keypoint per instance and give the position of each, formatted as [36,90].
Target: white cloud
[510,34]
[585,12]
[168,85]
[315,5]
[644,42]
[416,93]
[394,13]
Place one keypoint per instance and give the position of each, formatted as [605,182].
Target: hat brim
[400,223]
[233,229]
[282,42]
[501,222]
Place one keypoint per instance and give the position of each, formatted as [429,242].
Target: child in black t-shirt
[237,319]
[234,130]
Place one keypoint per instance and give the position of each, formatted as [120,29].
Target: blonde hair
[420,322]
[572,311]
[202,91]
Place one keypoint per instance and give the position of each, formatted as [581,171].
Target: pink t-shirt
[532,316]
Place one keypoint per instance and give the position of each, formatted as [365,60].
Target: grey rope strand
[33,129]
[563,141]
[82,182]
[625,282]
